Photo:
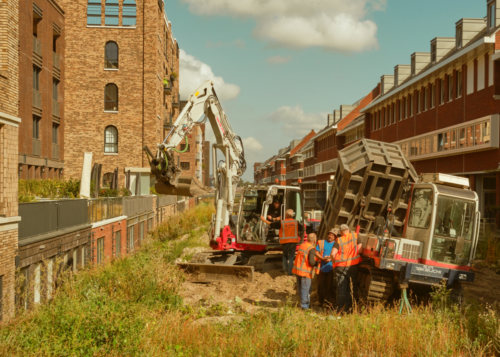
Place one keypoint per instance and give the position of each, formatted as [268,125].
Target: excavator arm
[202,104]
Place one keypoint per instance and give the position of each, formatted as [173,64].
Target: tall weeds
[131,307]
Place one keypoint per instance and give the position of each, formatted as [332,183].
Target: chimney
[419,60]
[330,120]
[336,115]
[466,30]
[440,46]
[387,82]
[401,73]
[345,109]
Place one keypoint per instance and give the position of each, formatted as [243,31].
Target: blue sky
[281,66]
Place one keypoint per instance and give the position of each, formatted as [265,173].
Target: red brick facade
[41,49]
[148,54]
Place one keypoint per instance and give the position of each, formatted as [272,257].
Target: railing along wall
[45,217]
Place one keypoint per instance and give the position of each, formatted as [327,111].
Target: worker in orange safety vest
[290,234]
[346,256]
[303,268]
[324,269]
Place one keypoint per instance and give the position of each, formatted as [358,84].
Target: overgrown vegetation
[488,249]
[131,306]
[31,190]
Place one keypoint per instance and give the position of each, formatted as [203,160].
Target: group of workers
[334,259]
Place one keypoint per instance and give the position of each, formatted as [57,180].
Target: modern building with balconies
[442,109]
[42,73]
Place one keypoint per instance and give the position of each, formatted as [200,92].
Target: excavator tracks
[375,285]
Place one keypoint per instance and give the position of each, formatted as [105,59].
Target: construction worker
[274,213]
[289,236]
[303,268]
[324,270]
[346,256]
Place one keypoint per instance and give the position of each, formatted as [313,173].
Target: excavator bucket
[206,273]
[186,186]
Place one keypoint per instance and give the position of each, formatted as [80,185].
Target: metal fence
[134,205]
[104,208]
[49,216]
[165,200]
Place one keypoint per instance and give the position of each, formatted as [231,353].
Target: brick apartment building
[41,89]
[122,88]
[9,129]
[442,109]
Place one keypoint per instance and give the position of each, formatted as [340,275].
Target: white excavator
[238,238]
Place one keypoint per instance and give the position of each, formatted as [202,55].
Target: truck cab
[250,232]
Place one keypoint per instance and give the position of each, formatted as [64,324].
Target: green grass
[131,307]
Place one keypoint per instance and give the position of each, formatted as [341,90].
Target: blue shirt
[326,267]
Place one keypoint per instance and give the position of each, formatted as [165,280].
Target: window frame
[55,133]
[110,85]
[491,14]
[107,60]
[113,145]
[458,37]
[450,87]
[36,127]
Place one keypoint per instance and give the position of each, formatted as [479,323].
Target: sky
[280,66]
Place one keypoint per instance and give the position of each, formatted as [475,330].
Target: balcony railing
[55,151]
[56,60]
[37,46]
[326,167]
[101,209]
[55,108]
[37,147]
[37,99]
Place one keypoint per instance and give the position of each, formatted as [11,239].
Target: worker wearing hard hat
[346,256]
[326,292]
[289,235]
[303,268]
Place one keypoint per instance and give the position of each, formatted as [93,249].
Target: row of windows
[450,88]
[464,137]
[111,13]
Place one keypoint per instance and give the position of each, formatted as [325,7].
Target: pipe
[218,217]
[214,172]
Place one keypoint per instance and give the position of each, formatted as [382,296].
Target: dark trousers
[326,287]
[346,277]
[288,257]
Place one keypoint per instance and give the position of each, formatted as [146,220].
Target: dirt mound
[269,290]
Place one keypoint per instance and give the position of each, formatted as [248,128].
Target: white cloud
[252,145]
[338,25]
[194,73]
[278,59]
[295,122]
[253,153]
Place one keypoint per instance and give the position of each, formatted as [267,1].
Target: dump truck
[417,231]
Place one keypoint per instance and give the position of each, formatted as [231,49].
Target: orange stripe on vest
[348,251]
[301,266]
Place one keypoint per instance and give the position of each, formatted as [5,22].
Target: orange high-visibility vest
[348,251]
[321,244]
[289,231]
[301,266]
